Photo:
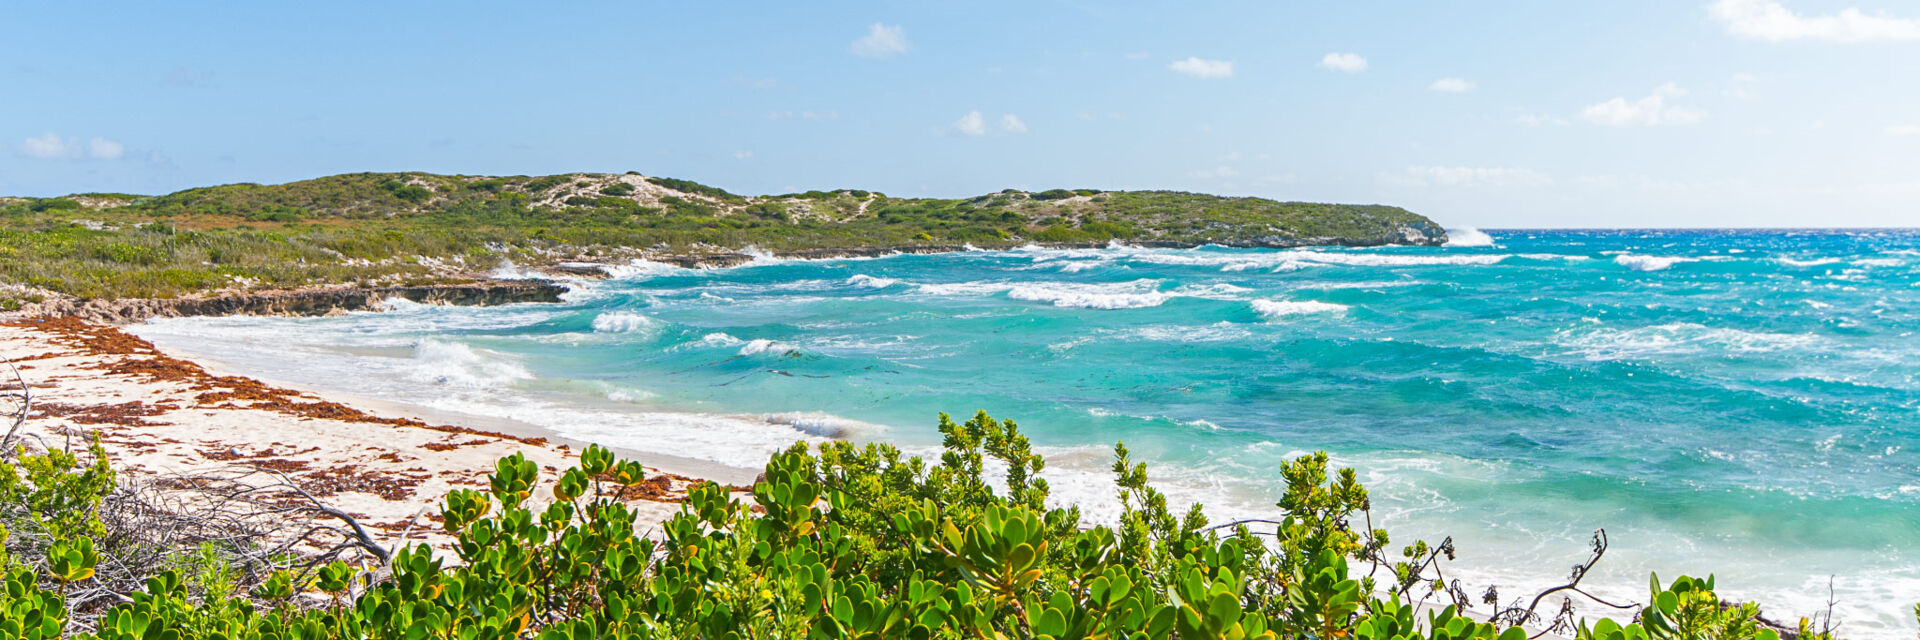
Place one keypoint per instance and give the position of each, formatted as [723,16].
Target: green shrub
[538,185]
[689,186]
[54,204]
[838,541]
[618,189]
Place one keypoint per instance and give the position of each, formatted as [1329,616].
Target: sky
[1635,113]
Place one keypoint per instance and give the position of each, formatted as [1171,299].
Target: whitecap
[963,288]
[1215,291]
[638,268]
[397,303]
[1284,308]
[456,364]
[718,339]
[1791,262]
[1673,338]
[624,322]
[509,271]
[870,282]
[1468,237]
[1217,332]
[1128,295]
[762,345]
[1647,263]
[825,425]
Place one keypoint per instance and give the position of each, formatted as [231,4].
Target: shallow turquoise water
[1746,403]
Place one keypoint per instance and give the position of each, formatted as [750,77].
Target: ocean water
[1743,403]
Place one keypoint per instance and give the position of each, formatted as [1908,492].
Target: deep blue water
[1738,402]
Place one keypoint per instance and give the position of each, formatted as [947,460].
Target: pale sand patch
[157,415]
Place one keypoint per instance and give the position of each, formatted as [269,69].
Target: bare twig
[19,414]
[364,540]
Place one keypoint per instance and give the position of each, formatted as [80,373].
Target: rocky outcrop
[1420,233]
[299,302]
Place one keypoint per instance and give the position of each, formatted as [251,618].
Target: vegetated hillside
[396,228]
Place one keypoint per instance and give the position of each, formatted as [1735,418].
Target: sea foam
[623,322]
[458,365]
[870,282]
[1468,237]
[1647,263]
[1284,308]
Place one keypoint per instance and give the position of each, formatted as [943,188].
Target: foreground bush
[837,541]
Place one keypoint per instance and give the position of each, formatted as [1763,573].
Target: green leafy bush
[838,541]
[689,186]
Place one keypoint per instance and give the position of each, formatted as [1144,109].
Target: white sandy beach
[388,465]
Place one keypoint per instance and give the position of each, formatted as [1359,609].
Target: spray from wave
[1468,237]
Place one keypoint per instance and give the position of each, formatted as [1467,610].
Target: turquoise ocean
[1745,403]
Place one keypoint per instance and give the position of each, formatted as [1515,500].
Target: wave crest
[1284,308]
[1468,237]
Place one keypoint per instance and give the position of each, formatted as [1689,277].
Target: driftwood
[17,405]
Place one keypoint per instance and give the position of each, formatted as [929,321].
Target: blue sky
[1494,114]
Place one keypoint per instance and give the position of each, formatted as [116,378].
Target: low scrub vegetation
[836,541]
[396,228]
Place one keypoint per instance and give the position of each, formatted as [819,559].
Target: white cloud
[46,145]
[743,154]
[1904,129]
[1203,68]
[1011,123]
[881,41]
[1451,85]
[1647,111]
[1773,22]
[104,149]
[972,124]
[1427,176]
[1347,62]
[50,145]
[1222,171]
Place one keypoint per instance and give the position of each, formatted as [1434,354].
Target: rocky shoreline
[331,299]
[317,301]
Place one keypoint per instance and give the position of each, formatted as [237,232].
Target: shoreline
[475,288]
[676,465]
[163,419]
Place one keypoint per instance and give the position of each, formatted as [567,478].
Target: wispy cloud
[1770,21]
[1537,120]
[104,149]
[1012,124]
[1648,111]
[881,41]
[1344,62]
[1904,129]
[1434,176]
[1451,85]
[51,146]
[1203,68]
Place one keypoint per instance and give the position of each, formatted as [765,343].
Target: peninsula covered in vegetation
[397,229]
